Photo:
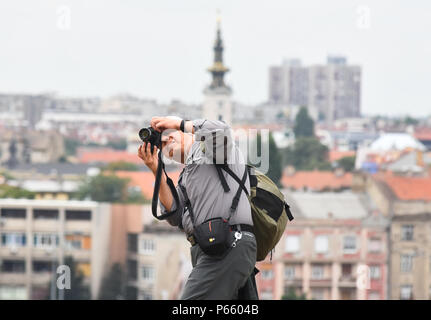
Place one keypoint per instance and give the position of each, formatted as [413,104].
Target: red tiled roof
[423,134]
[316,180]
[335,155]
[145,180]
[108,156]
[407,188]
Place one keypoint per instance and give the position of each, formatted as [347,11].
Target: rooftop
[316,180]
[407,188]
[342,205]
[396,141]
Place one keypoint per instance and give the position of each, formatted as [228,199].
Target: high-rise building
[217,102]
[330,92]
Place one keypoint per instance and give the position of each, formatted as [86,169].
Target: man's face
[173,145]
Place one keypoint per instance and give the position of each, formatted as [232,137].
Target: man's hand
[151,159]
[161,123]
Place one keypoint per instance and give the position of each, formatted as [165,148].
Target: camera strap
[160,168]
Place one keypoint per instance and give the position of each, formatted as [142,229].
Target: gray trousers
[221,279]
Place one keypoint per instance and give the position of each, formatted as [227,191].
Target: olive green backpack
[269,209]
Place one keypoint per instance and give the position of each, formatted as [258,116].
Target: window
[148,246]
[42,266]
[78,215]
[317,272]
[406,262]
[406,292]
[374,245]
[349,244]
[292,244]
[12,213]
[289,272]
[346,270]
[132,242]
[13,266]
[375,272]
[321,244]
[45,240]
[148,273]
[78,242]
[13,239]
[267,274]
[407,232]
[45,214]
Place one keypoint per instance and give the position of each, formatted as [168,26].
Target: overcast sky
[161,48]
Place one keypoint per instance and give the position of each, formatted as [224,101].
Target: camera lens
[144,134]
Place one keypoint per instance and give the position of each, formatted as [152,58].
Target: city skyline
[155,50]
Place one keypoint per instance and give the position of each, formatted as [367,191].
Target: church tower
[217,102]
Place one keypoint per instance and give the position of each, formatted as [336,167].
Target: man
[230,277]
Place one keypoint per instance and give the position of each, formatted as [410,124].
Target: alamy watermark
[363,17]
[223,146]
[63,278]
[64,17]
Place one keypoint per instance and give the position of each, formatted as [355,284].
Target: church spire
[218,69]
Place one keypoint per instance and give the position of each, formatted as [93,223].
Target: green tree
[7,191]
[291,295]
[70,146]
[275,158]
[120,144]
[304,125]
[113,284]
[109,188]
[347,163]
[308,154]
[121,166]
[78,290]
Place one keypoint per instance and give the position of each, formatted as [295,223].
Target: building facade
[330,92]
[328,253]
[407,203]
[38,235]
[158,263]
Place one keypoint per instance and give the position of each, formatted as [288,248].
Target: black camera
[149,135]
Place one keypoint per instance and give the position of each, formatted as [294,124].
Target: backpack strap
[237,179]
[241,187]
[221,177]
[188,204]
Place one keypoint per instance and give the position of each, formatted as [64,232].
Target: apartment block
[335,249]
[158,262]
[330,92]
[36,237]
[407,203]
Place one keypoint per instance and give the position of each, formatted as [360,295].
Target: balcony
[13,224]
[9,251]
[13,278]
[321,283]
[46,225]
[347,281]
[41,278]
[78,254]
[83,226]
[295,282]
